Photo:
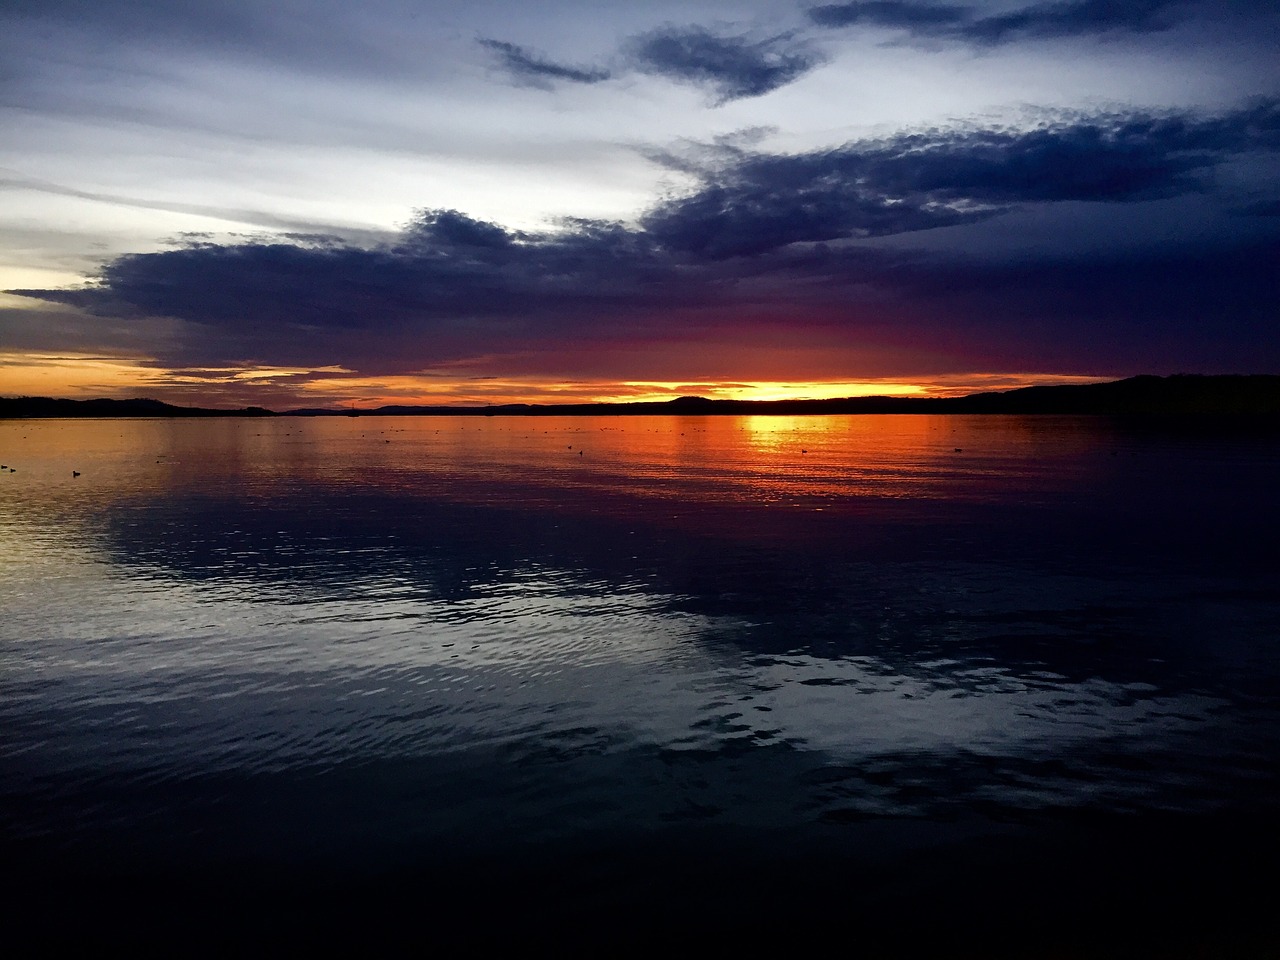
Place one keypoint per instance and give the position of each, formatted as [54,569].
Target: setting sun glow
[283,388]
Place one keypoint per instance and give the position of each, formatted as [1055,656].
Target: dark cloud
[759,202]
[761,236]
[904,14]
[450,279]
[528,69]
[1070,18]
[732,67]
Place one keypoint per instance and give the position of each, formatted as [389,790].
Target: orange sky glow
[281,388]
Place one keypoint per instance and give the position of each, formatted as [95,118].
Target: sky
[320,203]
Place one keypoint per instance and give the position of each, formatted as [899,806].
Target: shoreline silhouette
[1177,395]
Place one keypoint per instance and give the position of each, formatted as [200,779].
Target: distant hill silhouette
[1179,395]
[35,407]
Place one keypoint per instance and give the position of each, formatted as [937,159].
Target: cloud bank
[759,202]
[780,239]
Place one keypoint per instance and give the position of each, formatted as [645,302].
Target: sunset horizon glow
[283,388]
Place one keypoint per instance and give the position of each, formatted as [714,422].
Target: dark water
[1010,684]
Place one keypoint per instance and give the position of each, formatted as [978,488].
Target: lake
[1008,681]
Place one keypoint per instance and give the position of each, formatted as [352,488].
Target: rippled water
[364,645]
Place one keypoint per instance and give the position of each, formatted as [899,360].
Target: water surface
[405,649]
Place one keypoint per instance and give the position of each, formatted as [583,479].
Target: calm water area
[930,672]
